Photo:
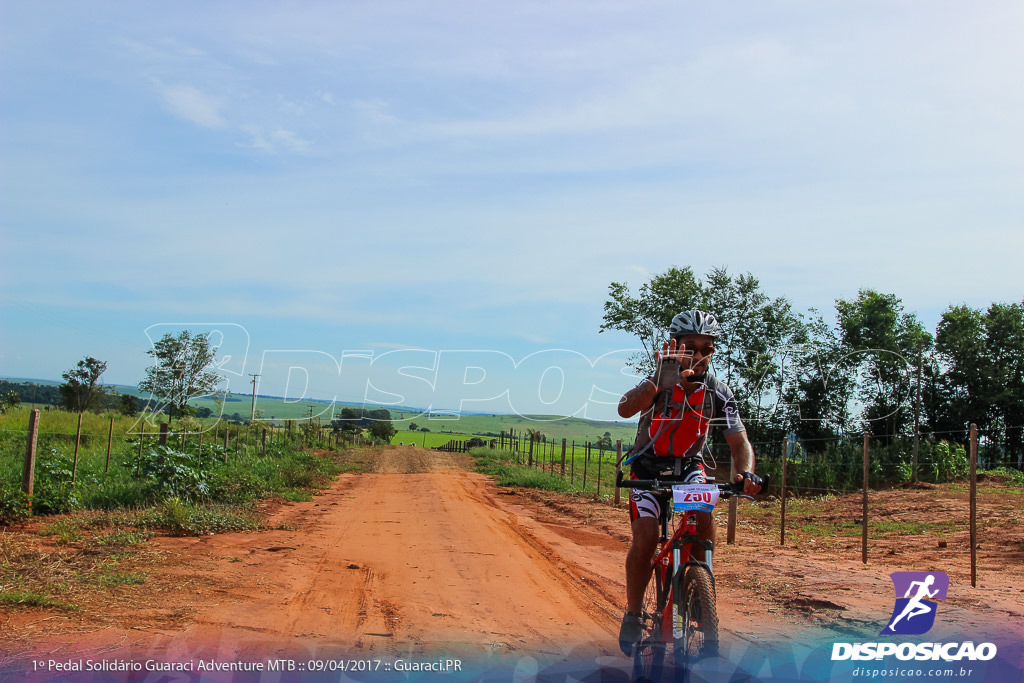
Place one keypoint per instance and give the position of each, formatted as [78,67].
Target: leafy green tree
[128,405]
[382,431]
[355,419]
[10,401]
[884,346]
[978,375]
[182,369]
[648,315]
[819,388]
[758,341]
[960,378]
[1004,337]
[605,443]
[81,390]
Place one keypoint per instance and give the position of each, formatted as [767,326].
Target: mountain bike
[679,609]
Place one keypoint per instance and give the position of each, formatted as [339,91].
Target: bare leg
[705,532]
[638,561]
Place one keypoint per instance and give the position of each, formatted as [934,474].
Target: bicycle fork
[679,569]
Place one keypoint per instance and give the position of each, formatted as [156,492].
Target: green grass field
[277,410]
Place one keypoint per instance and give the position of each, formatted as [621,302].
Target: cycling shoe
[630,632]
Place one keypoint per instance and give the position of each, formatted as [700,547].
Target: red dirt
[423,557]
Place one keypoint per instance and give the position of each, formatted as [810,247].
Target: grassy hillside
[278,409]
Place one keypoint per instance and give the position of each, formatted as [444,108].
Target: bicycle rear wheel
[649,654]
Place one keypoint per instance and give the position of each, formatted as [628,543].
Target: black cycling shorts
[647,504]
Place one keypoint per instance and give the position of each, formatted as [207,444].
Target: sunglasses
[704,351]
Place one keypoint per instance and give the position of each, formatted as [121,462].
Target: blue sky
[358,178]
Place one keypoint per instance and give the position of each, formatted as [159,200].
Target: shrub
[172,474]
[53,492]
[13,505]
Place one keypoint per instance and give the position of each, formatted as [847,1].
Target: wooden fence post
[864,524]
[142,439]
[785,458]
[600,457]
[163,433]
[265,442]
[586,461]
[618,467]
[28,472]
[78,440]
[563,456]
[974,505]
[110,439]
[730,528]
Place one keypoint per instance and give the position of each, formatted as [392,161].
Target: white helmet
[694,322]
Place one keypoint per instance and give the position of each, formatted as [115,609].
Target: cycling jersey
[677,425]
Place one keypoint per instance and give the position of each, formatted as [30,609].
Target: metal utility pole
[252,414]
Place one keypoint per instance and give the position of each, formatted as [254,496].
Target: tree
[648,315]
[819,388]
[181,372]
[959,380]
[978,374]
[756,346]
[81,390]
[128,405]
[884,346]
[382,431]
[605,443]
[10,400]
[1004,342]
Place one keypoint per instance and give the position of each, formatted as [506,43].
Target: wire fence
[816,467]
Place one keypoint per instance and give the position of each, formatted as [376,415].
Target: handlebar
[727,490]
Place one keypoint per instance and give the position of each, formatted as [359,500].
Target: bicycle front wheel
[699,616]
[649,654]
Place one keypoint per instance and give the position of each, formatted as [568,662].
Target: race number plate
[700,497]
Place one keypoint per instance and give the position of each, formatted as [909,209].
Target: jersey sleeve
[726,412]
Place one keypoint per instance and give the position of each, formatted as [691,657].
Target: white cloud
[193,105]
[275,141]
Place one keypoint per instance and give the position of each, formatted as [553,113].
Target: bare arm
[638,398]
[742,460]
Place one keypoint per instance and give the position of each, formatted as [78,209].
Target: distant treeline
[355,419]
[49,395]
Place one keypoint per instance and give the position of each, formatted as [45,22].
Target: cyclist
[677,404]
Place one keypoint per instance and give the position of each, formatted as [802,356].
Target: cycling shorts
[647,504]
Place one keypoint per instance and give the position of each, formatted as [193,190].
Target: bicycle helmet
[694,322]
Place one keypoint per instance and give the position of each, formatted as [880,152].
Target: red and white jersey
[677,425]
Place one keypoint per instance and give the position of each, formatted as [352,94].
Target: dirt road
[423,558]
[416,558]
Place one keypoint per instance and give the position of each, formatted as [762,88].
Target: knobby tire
[649,654]
[700,620]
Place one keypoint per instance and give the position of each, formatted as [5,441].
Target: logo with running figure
[914,612]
